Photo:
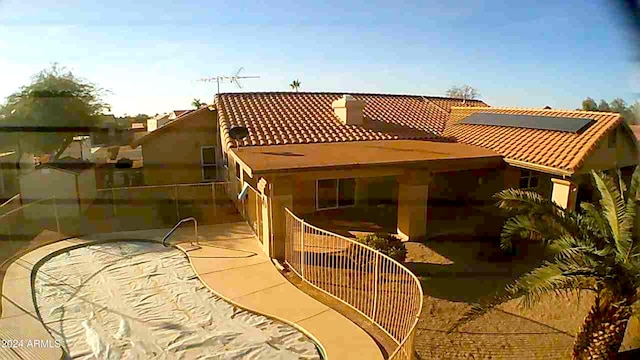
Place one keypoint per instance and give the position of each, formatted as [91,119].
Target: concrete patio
[228,260]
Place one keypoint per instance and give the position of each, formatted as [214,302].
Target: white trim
[539,168]
[337,194]
[203,165]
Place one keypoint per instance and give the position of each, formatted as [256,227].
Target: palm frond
[527,227]
[626,246]
[613,209]
[635,183]
[594,219]
[568,247]
[518,201]
[621,184]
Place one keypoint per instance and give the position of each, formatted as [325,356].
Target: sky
[150,55]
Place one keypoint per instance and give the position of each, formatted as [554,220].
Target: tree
[44,116]
[603,106]
[596,249]
[196,103]
[295,85]
[464,92]
[589,104]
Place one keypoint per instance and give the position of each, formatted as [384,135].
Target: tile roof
[556,149]
[281,118]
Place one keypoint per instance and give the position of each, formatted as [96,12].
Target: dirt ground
[456,273]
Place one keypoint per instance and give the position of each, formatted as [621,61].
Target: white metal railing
[172,192]
[16,217]
[175,227]
[10,204]
[373,284]
[251,211]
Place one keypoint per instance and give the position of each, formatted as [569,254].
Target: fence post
[376,277]
[55,213]
[175,195]
[113,200]
[302,249]
[213,198]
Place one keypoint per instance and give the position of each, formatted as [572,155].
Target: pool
[141,300]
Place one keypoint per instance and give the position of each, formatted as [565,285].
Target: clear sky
[149,54]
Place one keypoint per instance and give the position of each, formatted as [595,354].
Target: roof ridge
[540,110]
[436,105]
[340,93]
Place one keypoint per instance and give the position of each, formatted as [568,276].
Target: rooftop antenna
[232,79]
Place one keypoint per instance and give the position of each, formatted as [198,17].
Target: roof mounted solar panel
[566,124]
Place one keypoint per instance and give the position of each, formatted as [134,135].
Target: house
[71,181]
[413,165]
[325,153]
[118,166]
[161,120]
[10,169]
[79,148]
[184,150]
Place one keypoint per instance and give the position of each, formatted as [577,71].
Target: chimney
[348,110]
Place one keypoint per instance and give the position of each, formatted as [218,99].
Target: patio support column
[564,193]
[413,193]
[281,198]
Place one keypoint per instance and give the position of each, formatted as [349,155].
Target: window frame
[529,175]
[337,195]
[238,171]
[203,165]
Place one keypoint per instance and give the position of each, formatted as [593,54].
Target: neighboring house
[119,167]
[10,169]
[184,150]
[315,152]
[161,120]
[71,181]
[79,148]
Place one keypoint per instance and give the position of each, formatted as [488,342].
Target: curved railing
[373,284]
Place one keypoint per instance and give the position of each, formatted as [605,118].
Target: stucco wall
[624,154]
[173,156]
[463,186]
[61,184]
[87,188]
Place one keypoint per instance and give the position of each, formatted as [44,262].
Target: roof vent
[349,110]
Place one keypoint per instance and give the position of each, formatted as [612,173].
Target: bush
[387,244]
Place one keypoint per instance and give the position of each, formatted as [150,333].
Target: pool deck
[229,261]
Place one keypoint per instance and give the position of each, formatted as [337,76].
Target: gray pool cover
[140,300]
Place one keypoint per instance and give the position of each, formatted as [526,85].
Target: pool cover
[140,300]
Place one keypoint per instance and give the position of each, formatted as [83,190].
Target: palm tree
[196,103]
[596,249]
[295,85]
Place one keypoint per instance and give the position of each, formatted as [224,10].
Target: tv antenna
[232,79]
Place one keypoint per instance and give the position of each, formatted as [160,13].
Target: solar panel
[566,124]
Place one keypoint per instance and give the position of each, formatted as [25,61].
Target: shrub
[387,244]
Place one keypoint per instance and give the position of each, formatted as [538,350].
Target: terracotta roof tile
[562,150]
[301,118]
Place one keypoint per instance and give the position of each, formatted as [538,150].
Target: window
[238,170]
[225,160]
[208,160]
[529,179]
[335,193]
[613,139]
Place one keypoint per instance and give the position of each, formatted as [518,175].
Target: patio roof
[349,155]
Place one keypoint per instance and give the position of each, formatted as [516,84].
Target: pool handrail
[195,224]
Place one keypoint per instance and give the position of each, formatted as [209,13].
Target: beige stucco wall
[172,155]
[61,184]
[87,188]
[624,154]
